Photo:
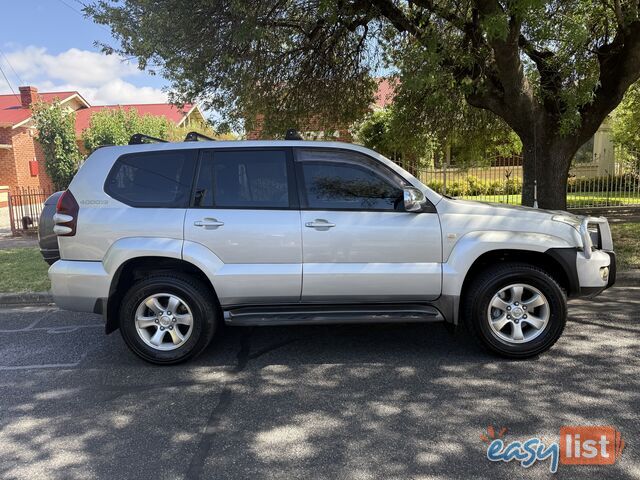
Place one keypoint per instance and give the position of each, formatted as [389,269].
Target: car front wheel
[516,310]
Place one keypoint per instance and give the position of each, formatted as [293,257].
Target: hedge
[473,186]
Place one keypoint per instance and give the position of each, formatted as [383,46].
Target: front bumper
[590,272]
[596,258]
[78,285]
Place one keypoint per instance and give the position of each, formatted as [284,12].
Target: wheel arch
[554,263]
[137,268]
[559,262]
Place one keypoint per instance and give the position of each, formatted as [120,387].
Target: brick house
[22,162]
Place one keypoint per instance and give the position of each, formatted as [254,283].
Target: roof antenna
[535,167]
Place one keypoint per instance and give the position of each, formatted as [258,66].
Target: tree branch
[507,60]
[550,77]
[397,17]
[619,63]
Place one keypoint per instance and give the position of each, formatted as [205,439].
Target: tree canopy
[56,134]
[626,128]
[115,127]
[551,70]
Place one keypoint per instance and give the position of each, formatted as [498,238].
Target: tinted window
[345,180]
[243,179]
[153,179]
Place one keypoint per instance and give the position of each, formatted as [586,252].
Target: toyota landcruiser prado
[167,241]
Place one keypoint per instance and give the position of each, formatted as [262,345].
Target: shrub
[513,186]
[477,186]
[57,137]
[473,186]
[496,188]
[436,185]
[621,183]
[459,188]
[115,127]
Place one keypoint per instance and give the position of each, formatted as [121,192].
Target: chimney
[28,95]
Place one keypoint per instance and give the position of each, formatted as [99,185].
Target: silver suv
[167,241]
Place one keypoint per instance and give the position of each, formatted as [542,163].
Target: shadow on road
[361,401]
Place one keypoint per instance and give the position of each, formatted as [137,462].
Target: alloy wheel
[164,321]
[518,313]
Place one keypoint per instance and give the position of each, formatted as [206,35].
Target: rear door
[359,245]
[245,210]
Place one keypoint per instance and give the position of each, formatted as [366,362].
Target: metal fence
[25,207]
[594,184]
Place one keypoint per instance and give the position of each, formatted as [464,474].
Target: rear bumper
[78,285]
[50,255]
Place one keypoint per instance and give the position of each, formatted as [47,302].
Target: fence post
[11,216]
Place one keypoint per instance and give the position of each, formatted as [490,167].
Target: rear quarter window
[160,179]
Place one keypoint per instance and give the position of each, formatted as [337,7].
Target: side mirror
[414,199]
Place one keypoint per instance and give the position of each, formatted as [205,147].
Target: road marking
[43,365]
[53,330]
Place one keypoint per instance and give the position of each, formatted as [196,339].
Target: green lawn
[573,199]
[23,270]
[626,243]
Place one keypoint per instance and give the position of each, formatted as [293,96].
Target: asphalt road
[352,402]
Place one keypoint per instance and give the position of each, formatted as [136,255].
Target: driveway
[352,402]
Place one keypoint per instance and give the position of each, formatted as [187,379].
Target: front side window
[243,179]
[341,180]
[153,179]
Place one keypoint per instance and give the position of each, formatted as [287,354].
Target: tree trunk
[546,162]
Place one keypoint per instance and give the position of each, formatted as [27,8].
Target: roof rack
[293,134]
[197,136]
[141,138]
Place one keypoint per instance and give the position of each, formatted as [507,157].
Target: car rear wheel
[168,318]
[516,310]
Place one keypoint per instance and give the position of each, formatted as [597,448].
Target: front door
[245,211]
[359,245]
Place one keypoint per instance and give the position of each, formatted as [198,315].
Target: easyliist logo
[601,445]
[590,445]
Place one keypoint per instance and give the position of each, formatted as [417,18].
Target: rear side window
[153,179]
[243,179]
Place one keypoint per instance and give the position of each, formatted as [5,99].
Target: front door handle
[208,223]
[320,223]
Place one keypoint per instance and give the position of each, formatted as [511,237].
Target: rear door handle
[208,223]
[320,223]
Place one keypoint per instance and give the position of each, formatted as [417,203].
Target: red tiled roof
[12,112]
[171,112]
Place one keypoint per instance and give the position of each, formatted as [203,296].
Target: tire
[492,312]
[161,336]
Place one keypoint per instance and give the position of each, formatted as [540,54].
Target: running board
[330,314]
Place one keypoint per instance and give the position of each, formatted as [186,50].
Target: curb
[25,298]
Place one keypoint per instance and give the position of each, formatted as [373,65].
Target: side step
[330,314]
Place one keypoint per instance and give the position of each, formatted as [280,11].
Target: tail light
[66,218]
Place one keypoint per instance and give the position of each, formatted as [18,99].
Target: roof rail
[293,134]
[141,138]
[197,136]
